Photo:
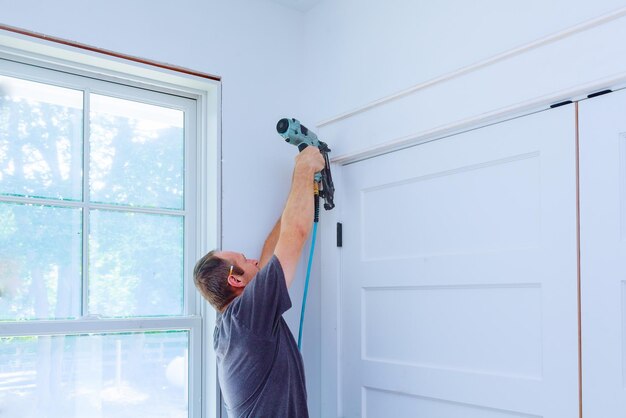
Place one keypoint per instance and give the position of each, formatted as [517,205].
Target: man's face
[249,266]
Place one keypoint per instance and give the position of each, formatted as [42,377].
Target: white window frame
[29,58]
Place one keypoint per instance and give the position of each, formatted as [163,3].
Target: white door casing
[458,279]
[602,124]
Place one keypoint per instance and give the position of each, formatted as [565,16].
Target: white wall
[243,41]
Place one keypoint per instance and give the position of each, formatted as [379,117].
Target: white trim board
[589,24]
[499,115]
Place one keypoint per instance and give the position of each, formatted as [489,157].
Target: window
[99,221]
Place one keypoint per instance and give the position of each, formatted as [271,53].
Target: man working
[260,369]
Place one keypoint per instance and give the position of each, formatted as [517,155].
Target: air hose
[316,219]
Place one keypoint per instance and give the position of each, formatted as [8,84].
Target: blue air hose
[306,284]
[316,218]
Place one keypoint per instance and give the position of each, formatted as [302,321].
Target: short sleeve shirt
[259,366]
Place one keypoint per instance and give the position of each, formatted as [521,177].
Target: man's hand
[310,160]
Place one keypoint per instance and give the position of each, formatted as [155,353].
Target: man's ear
[235,282]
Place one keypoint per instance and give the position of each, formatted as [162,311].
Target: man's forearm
[297,218]
[298,213]
[270,244]
[298,201]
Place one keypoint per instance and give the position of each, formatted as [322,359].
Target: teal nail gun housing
[299,135]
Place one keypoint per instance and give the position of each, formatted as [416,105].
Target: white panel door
[603,254]
[458,295]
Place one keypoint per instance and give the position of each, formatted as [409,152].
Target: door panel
[459,281]
[603,254]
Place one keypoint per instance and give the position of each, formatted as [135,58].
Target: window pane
[135,264]
[40,140]
[40,262]
[136,153]
[96,376]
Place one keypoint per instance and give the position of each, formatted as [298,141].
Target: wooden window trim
[109,53]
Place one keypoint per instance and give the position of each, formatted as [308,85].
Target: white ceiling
[302,5]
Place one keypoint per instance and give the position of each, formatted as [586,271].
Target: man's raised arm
[297,218]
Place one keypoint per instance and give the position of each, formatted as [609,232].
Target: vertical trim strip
[84,311]
[580,363]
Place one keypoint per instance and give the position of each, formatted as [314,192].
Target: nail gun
[299,135]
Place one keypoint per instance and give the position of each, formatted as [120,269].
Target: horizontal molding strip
[481,64]
[59,203]
[93,325]
[107,52]
[499,115]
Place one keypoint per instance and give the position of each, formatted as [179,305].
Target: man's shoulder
[261,303]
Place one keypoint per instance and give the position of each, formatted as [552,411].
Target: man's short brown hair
[211,278]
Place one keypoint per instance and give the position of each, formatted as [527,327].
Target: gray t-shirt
[259,366]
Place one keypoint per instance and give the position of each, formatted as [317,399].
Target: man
[260,369]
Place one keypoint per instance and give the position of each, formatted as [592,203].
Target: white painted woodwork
[563,64]
[602,124]
[458,283]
